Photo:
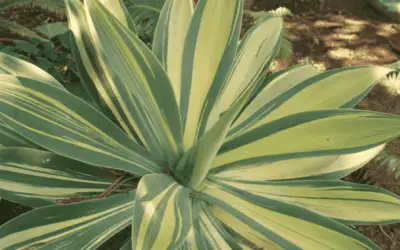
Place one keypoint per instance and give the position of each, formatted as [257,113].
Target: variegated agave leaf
[229,158]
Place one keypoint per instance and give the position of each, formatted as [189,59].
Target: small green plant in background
[144,13]
[190,144]
[47,46]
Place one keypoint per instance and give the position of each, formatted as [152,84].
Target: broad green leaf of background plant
[52,30]
[26,47]
[169,39]
[288,226]
[52,5]
[149,94]
[66,125]
[209,50]
[20,30]
[38,178]
[141,10]
[163,216]
[84,225]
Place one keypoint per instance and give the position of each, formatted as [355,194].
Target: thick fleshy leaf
[194,166]
[314,133]
[209,51]
[84,225]
[347,202]
[17,67]
[87,83]
[207,231]
[148,94]
[96,76]
[272,86]
[215,235]
[246,234]
[324,91]
[127,245]
[257,50]
[169,39]
[120,12]
[162,216]
[194,241]
[68,126]
[325,167]
[10,138]
[37,178]
[288,226]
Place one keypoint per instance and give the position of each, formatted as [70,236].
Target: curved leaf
[101,87]
[127,245]
[314,133]
[38,178]
[144,9]
[169,39]
[288,226]
[347,202]
[14,27]
[194,166]
[257,51]
[192,240]
[215,235]
[272,86]
[51,30]
[323,91]
[148,94]
[10,138]
[208,53]
[163,216]
[56,6]
[66,125]
[84,225]
[322,167]
[17,67]
[120,12]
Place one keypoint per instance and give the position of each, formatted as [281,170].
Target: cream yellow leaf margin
[84,225]
[257,51]
[209,50]
[318,167]
[169,39]
[162,217]
[349,203]
[288,226]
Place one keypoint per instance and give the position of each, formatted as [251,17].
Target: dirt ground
[334,34]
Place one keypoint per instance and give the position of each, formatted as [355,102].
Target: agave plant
[206,150]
